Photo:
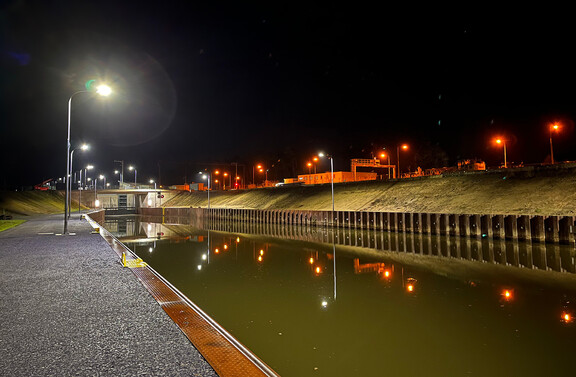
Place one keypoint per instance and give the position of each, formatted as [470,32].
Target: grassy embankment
[540,191]
[545,191]
[7,224]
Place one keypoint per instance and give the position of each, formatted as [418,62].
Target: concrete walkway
[68,308]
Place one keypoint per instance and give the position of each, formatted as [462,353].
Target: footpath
[69,308]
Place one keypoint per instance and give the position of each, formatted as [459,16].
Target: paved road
[68,308]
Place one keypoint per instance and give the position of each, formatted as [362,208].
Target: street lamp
[404,147]
[260,169]
[553,128]
[102,90]
[383,156]
[88,167]
[135,174]
[503,142]
[83,147]
[331,177]
[103,178]
[153,181]
[207,176]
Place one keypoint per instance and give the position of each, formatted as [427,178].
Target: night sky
[206,84]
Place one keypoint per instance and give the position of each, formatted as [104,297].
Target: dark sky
[204,83]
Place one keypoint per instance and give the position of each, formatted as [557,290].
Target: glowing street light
[553,128]
[102,90]
[207,177]
[404,147]
[383,156]
[331,177]
[153,181]
[83,147]
[501,141]
[135,174]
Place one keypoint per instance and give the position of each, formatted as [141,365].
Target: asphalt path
[69,308]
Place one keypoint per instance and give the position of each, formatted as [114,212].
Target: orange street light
[254,167]
[553,128]
[404,147]
[383,156]
[501,141]
[309,164]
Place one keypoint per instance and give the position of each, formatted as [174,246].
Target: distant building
[188,187]
[339,177]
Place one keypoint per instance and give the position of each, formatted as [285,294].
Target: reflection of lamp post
[553,128]
[103,90]
[96,201]
[404,147]
[503,142]
[69,179]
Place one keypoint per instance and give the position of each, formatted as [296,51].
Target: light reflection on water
[325,309]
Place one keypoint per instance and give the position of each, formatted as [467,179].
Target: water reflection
[420,305]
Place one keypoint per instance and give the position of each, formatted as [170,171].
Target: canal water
[313,302]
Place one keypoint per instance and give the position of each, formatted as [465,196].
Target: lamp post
[135,174]
[403,147]
[553,128]
[102,90]
[384,155]
[81,188]
[69,179]
[152,181]
[259,167]
[207,176]
[503,142]
[88,167]
[331,178]
[103,178]
[121,172]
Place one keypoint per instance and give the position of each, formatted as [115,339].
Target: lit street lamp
[404,147]
[331,178]
[384,155]
[102,90]
[503,142]
[553,128]
[88,167]
[135,174]
[152,181]
[103,178]
[207,176]
[69,179]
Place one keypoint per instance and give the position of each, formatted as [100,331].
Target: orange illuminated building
[339,176]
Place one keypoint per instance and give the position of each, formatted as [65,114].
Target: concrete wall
[549,229]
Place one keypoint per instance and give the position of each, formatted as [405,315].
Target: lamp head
[104,90]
